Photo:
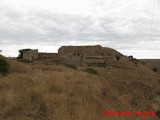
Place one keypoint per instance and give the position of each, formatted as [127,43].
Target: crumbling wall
[66,51]
[86,54]
[76,60]
[91,59]
[47,55]
[30,55]
[74,55]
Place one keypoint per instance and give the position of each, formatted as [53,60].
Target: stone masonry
[77,55]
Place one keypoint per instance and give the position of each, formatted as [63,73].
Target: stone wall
[30,55]
[65,51]
[74,55]
[91,59]
[86,54]
[47,55]
[76,60]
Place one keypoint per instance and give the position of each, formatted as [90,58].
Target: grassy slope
[48,92]
[151,63]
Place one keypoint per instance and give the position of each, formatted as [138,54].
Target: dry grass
[49,92]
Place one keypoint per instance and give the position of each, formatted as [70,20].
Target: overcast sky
[129,26]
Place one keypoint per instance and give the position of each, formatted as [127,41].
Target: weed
[158,113]
[71,66]
[91,70]
[118,57]
[155,69]
[42,111]
[97,64]
[4,65]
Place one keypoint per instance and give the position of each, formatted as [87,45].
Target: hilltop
[65,92]
[75,55]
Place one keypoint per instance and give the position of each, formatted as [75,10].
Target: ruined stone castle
[77,55]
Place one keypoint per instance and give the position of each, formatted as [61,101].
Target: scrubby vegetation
[153,64]
[4,65]
[158,113]
[44,92]
[134,60]
[71,66]
[155,69]
[118,57]
[97,64]
[91,70]
[50,92]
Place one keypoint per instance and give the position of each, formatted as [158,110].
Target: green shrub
[155,69]
[134,60]
[118,57]
[97,64]
[42,111]
[143,63]
[4,65]
[158,113]
[91,70]
[71,66]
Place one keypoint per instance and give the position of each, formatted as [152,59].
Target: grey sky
[129,26]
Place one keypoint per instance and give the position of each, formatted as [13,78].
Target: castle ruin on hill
[77,55]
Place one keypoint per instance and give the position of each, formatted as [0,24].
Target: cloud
[124,25]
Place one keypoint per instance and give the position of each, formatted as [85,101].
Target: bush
[134,60]
[158,113]
[71,66]
[155,69]
[91,70]
[143,63]
[4,65]
[97,64]
[42,111]
[118,57]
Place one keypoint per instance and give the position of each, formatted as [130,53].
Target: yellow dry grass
[50,92]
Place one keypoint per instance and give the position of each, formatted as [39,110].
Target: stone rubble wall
[30,55]
[75,55]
